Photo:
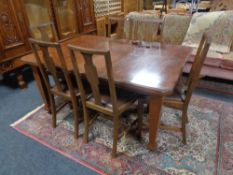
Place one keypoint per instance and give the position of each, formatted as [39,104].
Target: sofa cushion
[211,71]
[219,5]
[218,24]
[209,61]
[215,59]
[227,61]
[226,64]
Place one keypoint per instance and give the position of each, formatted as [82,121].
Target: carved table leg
[41,86]
[154,120]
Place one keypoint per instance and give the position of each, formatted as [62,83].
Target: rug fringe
[27,115]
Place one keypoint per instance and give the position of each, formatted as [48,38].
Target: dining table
[152,69]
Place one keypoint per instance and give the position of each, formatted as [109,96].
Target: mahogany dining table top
[153,70]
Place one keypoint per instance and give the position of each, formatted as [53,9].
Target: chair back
[101,26]
[142,26]
[91,74]
[119,22]
[47,32]
[48,57]
[174,28]
[196,66]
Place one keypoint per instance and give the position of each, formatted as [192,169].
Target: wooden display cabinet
[17,16]
[87,16]
[13,37]
[69,16]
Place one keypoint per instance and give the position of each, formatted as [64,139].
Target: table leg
[155,106]
[41,86]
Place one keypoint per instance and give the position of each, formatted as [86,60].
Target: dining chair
[56,88]
[111,103]
[180,98]
[101,26]
[118,23]
[47,32]
[142,26]
[174,28]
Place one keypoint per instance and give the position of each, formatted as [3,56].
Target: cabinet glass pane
[65,12]
[38,14]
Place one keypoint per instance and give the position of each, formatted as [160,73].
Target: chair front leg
[183,127]
[86,124]
[76,118]
[115,135]
[186,117]
[53,110]
[140,117]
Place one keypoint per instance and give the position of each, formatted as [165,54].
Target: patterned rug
[209,148]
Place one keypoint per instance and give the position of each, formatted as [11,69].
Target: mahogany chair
[118,22]
[47,63]
[111,104]
[181,98]
[47,32]
[101,26]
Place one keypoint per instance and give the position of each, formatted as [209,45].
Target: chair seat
[124,101]
[174,101]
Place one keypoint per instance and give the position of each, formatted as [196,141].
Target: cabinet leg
[1,77]
[22,84]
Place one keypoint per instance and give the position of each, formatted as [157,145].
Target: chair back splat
[92,75]
[46,63]
[47,32]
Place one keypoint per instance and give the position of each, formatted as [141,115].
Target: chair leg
[140,118]
[115,136]
[76,119]
[183,128]
[186,117]
[86,125]
[53,111]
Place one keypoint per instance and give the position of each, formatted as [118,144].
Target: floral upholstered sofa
[187,30]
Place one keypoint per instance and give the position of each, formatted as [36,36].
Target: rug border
[81,162]
[13,125]
[26,116]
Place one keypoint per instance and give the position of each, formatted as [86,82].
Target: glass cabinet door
[38,13]
[66,17]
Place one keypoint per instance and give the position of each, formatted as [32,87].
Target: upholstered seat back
[174,28]
[141,26]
